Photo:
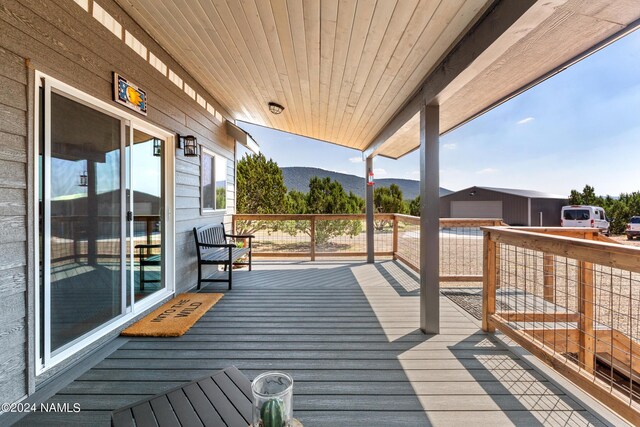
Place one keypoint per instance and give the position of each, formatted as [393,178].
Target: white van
[584,216]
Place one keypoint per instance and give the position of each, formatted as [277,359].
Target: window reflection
[85,220]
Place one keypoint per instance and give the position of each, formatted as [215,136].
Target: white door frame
[43,80]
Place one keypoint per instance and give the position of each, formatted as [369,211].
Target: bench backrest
[210,234]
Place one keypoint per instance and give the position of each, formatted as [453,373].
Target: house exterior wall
[64,41]
[514,208]
[13,226]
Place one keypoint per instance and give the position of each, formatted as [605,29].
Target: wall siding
[514,208]
[62,40]
[13,229]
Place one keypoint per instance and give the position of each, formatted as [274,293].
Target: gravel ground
[623,239]
[470,300]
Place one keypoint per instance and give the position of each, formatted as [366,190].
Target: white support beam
[497,20]
[369,209]
[430,219]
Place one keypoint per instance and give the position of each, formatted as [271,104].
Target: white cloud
[379,172]
[525,120]
[487,171]
[413,175]
[355,159]
[450,146]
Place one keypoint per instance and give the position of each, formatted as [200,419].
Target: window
[576,214]
[213,182]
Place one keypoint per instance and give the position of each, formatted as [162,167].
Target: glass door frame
[49,84]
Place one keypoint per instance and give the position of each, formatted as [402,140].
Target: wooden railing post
[312,234]
[488,282]
[549,279]
[395,237]
[233,224]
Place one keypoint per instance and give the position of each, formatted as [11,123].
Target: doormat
[173,318]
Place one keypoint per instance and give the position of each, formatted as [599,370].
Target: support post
[489,282]
[369,209]
[395,237]
[585,308]
[312,234]
[92,214]
[586,351]
[430,219]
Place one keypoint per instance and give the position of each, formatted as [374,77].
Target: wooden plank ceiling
[573,27]
[344,68]
[340,68]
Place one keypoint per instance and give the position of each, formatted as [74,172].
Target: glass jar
[272,400]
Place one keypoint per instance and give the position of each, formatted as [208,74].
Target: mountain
[297,178]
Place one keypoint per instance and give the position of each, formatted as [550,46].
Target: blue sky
[579,127]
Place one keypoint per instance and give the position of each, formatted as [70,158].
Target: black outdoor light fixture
[189,144]
[84,180]
[472,193]
[157,147]
[275,108]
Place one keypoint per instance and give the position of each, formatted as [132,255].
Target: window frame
[208,211]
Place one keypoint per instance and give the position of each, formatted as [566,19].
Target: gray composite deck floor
[347,332]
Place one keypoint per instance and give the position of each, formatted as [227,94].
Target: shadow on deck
[347,332]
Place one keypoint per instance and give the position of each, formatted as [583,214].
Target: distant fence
[395,236]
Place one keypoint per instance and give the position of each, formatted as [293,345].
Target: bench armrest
[141,246]
[216,245]
[241,236]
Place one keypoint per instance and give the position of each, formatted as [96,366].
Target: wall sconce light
[189,144]
[275,108]
[157,147]
[84,179]
[472,193]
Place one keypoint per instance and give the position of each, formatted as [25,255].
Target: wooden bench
[221,399]
[213,248]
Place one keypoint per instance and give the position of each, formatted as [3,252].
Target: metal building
[515,207]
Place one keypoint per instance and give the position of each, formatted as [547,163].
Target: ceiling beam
[497,20]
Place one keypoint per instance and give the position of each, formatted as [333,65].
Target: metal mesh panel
[585,314]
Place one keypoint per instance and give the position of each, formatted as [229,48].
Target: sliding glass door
[102,219]
[84,190]
[147,201]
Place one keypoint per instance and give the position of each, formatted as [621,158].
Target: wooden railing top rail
[307,217]
[598,252]
[470,222]
[444,222]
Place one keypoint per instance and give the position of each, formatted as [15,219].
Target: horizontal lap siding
[188,213]
[62,40]
[13,230]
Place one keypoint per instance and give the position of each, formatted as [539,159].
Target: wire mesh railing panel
[408,249]
[460,251]
[571,300]
[460,247]
[394,235]
[278,237]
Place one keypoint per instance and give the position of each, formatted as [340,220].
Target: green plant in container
[272,413]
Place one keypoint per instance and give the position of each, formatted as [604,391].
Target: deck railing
[395,236]
[572,298]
